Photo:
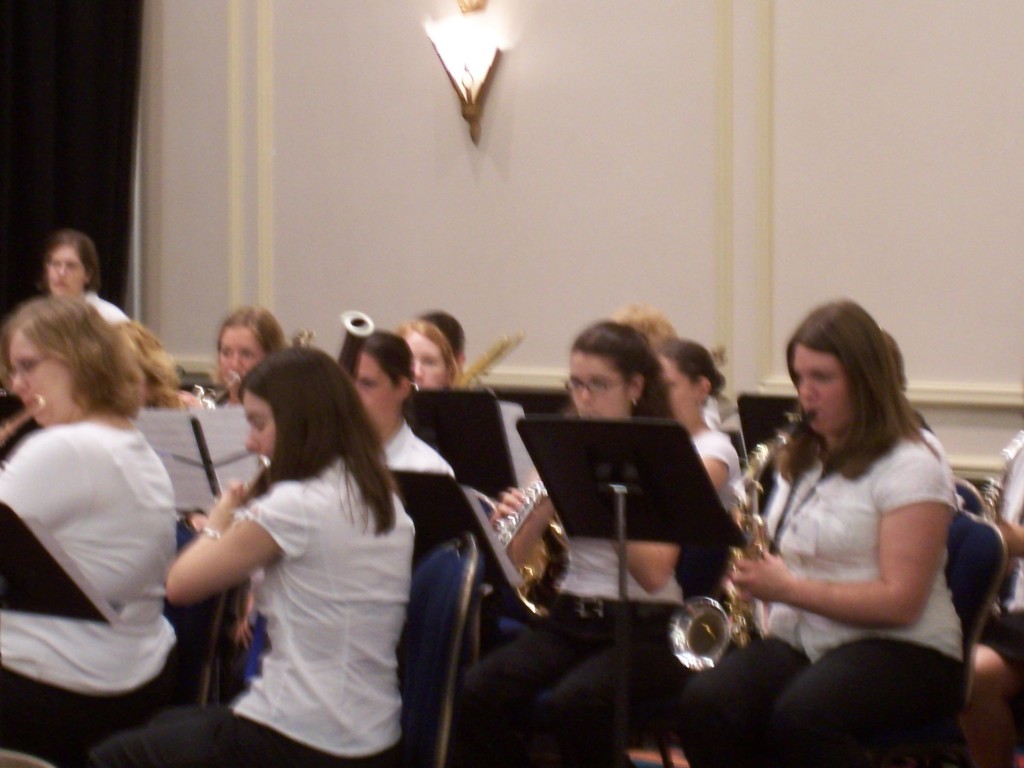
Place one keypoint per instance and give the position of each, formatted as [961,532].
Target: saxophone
[488,360]
[992,490]
[702,630]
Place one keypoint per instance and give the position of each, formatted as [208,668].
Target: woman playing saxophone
[862,634]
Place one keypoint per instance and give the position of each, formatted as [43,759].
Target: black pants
[767,705]
[60,725]
[214,736]
[572,658]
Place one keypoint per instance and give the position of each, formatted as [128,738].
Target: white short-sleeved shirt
[1011,509]
[712,444]
[830,533]
[109,312]
[106,498]
[335,606]
[407,453]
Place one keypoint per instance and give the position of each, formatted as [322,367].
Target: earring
[634,402]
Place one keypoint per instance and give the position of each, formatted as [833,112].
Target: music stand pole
[621,717]
[653,464]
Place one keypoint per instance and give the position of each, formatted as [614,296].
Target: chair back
[197,628]
[976,562]
[969,498]
[443,603]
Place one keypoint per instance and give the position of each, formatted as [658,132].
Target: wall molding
[236,153]
[265,152]
[724,208]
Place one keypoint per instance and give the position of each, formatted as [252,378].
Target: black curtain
[69,81]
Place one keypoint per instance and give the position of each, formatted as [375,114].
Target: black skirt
[1005,635]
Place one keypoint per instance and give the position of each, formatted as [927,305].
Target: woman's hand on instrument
[508,504]
[222,514]
[766,578]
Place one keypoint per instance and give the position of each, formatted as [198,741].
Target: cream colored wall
[732,162]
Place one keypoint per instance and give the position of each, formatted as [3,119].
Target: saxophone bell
[703,629]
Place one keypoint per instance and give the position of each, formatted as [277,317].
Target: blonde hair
[158,371]
[433,334]
[264,326]
[105,375]
[650,321]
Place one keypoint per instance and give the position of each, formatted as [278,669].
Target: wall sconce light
[470,54]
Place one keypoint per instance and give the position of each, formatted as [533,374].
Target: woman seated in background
[453,331]
[245,337]
[336,547]
[862,634]
[384,382]
[613,375]
[988,721]
[692,378]
[92,481]
[72,268]
[434,365]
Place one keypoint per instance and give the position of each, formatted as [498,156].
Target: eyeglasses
[65,266]
[594,386]
[25,367]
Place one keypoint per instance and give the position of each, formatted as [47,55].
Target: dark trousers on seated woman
[60,725]
[216,737]
[768,705]
[573,658]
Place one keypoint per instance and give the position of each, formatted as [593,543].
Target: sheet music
[226,430]
[522,464]
[171,434]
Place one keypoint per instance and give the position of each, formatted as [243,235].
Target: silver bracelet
[210,533]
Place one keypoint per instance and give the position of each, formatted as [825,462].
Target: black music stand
[467,429]
[443,510]
[37,576]
[600,472]
[762,416]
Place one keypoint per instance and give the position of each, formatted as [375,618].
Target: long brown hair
[630,354]
[882,414]
[319,419]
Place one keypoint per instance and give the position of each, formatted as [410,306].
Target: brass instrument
[207,396]
[546,562]
[357,326]
[488,359]
[701,631]
[303,338]
[992,490]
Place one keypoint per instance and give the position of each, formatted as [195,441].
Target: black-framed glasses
[593,386]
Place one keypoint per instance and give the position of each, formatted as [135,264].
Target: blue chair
[197,628]
[439,643]
[974,571]
[969,498]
